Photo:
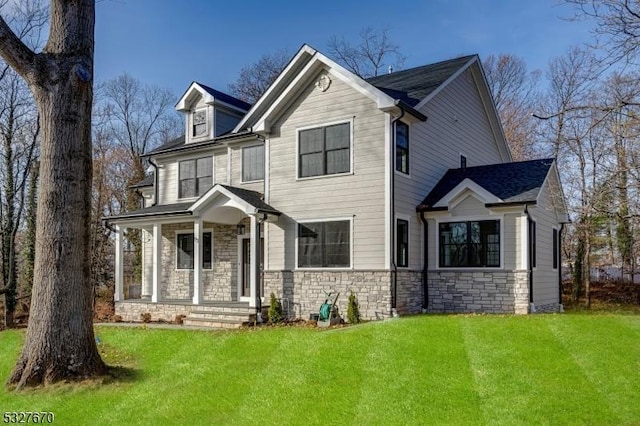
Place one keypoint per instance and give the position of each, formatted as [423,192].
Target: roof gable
[209,96]
[415,84]
[518,182]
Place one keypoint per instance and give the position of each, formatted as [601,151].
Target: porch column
[254,267]
[119,272]
[147,276]
[197,260]
[157,260]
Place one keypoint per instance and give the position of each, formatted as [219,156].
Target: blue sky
[173,42]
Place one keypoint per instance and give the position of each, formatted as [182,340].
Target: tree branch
[15,52]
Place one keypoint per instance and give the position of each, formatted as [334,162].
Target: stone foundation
[131,311]
[496,292]
[305,290]
[409,293]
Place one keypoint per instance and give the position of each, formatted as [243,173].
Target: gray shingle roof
[147,181]
[157,210]
[252,197]
[518,182]
[415,84]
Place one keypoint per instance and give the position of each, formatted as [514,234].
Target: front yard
[541,369]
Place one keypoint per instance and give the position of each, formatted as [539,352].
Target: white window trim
[196,157]
[325,219]
[395,151]
[395,242]
[175,242]
[242,163]
[208,124]
[449,219]
[319,125]
[462,154]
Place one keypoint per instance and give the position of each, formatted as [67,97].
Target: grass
[540,369]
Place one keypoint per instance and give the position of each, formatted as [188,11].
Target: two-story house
[399,188]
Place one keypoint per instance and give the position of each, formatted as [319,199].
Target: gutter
[425,268]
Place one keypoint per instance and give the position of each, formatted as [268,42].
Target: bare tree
[373,54]
[255,79]
[515,94]
[19,134]
[61,343]
[617,26]
[134,117]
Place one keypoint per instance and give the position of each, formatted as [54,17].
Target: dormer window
[199,124]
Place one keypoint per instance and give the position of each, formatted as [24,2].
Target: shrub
[353,310]
[275,310]
[146,317]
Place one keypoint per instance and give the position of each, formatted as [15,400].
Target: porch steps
[222,315]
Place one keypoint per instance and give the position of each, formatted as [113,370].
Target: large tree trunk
[60,343]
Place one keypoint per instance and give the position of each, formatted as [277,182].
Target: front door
[245,274]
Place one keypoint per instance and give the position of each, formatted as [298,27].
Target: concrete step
[227,316]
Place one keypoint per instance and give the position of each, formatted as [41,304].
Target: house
[399,188]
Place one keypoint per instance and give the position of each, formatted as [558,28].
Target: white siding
[359,195]
[457,124]
[236,168]
[545,278]
[168,174]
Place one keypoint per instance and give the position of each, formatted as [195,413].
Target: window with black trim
[253,163]
[324,150]
[402,243]
[402,147]
[470,244]
[185,251]
[199,123]
[324,244]
[463,161]
[195,177]
[556,248]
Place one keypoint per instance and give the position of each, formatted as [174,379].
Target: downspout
[394,285]
[425,268]
[529,256]
[560,266]
[155,182]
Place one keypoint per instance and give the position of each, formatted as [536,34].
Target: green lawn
[540,369]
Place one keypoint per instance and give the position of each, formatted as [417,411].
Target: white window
[199,123]
[195,177]
[324,150]
[252,163]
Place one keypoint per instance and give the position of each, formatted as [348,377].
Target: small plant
[353,310]
[275,310]
[146,317]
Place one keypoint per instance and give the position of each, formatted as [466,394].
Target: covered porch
[198,253]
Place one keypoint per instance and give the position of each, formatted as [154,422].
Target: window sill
[319,268]
[251,181]
[324,176]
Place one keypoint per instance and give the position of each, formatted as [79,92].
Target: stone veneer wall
[306,290]
[131,311]
[409,292]
[496,292]
[219,283]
